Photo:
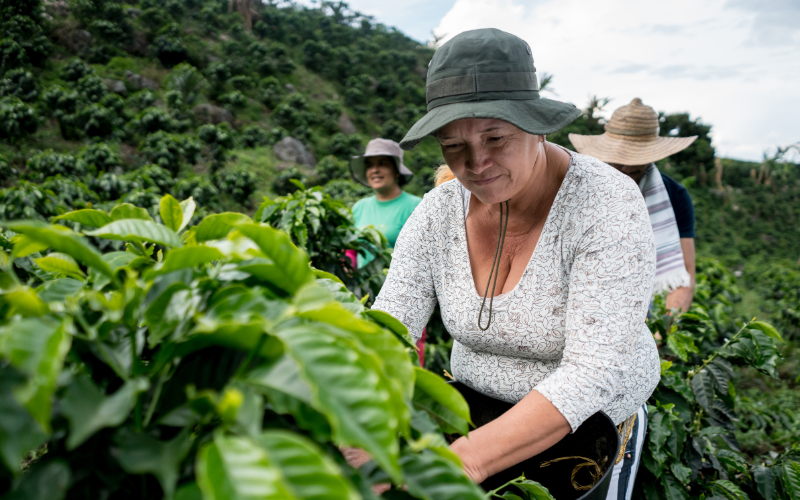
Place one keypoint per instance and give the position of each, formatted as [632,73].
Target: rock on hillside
[208,113]
[290,149]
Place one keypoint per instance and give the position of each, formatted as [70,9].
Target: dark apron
[596,439]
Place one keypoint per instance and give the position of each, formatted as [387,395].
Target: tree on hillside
[698,159]
[246,9]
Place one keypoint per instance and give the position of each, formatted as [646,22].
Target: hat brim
[534,116]
[625,151]
[358,169]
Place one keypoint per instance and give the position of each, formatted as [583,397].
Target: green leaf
[392,324]
[61,239]
[188,491]
[22,300]
[138,230]
[681,344]
[721,373]
[60,263]
[316,303]
[323,275]
[24,246]
[171,213]
[682,472]
[236,468]
[19,432]
[58,290]
[88,217]
[660,427]
[188,207]
[116,261]
[431,477]
[767,329]
[283,376]
[89,410]
[765,481]
[791,479]
[37,347]
[347,386]
[308,471]
[534,490]
[766,353]
[703,388]
[673,489]
[729,489]
[128,211]
[45,481]
[290,270]
[441,400]
[143,454]
[183,258]
[216,227]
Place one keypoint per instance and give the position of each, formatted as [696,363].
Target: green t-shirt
[388,217]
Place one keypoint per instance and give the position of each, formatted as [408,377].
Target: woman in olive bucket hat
[631,144]
[541,261]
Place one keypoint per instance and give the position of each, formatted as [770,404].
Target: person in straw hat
[631,144]
[541,260]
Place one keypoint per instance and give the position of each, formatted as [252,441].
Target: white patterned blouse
[573,328]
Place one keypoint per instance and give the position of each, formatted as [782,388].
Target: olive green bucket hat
[487,73]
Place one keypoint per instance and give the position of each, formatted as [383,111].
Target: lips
[484,182]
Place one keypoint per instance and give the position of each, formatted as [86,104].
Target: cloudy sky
[733,63]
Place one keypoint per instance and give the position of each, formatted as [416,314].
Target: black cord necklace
[498,252]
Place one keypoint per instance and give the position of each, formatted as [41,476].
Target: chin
[491,195]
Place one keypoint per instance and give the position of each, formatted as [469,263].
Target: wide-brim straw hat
[487,73]
[380,147]
[631,138]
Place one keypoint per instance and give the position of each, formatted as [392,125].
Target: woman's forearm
[530,427]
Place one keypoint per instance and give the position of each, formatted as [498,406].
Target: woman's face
[493,159]
[381,172]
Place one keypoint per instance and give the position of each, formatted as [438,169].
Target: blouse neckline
[467,195]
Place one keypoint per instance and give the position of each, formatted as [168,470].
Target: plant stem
[250,355]
[162,377]
[694,372]
[493,493]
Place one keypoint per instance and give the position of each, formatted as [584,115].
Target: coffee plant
[204,362]
[325,229]
[691,449]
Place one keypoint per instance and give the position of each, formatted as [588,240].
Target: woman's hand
[527,429]
[469,459]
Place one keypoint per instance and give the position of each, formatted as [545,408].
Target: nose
[478,158]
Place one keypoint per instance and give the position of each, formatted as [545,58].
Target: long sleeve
[609,287]
[408,293]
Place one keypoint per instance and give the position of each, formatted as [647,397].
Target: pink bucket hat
[380,147]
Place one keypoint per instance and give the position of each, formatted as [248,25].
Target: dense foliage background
[111,106]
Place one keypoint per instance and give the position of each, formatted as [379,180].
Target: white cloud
[715,59]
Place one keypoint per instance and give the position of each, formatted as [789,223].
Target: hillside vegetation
[142,147]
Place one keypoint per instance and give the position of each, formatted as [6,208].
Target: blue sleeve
[682,205]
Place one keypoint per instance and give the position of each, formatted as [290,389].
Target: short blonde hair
[442,175]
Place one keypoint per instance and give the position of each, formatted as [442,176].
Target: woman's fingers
[355,457]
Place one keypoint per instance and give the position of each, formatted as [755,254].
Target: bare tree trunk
[246,9]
